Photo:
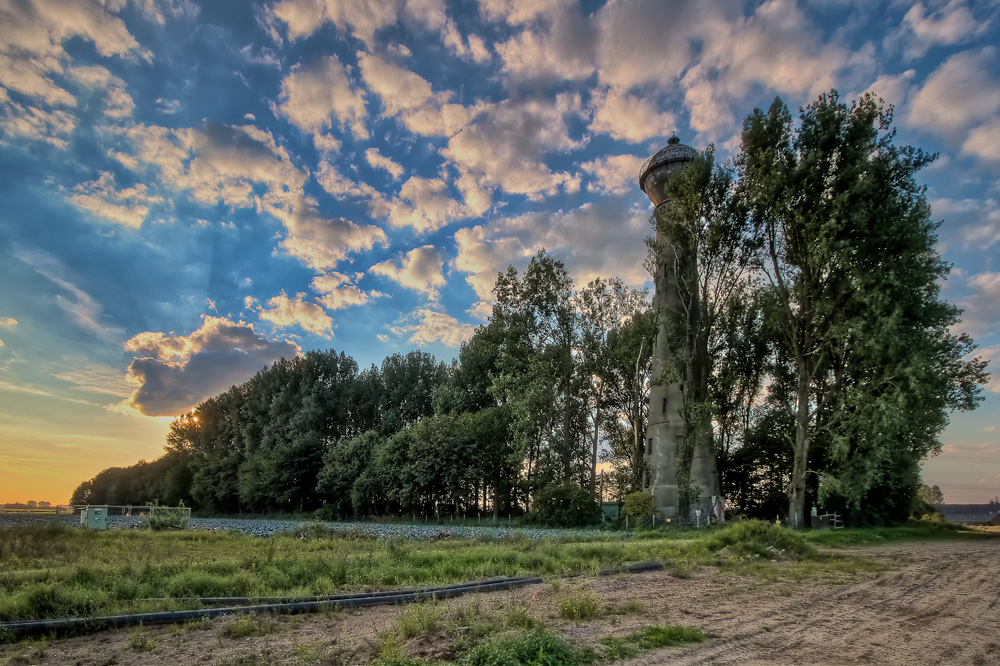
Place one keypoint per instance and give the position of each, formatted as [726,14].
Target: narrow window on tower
[649,446]
[664,405]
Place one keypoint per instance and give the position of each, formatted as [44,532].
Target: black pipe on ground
[309,605]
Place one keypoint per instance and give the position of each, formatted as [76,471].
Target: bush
[638,505]
[564,505]
[756,538]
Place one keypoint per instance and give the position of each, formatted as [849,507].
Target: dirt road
[933,603]
[939,604]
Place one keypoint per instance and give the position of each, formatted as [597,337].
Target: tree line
[826,364]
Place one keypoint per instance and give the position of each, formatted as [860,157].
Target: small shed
[94,517]
[970,514]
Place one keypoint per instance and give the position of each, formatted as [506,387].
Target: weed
[517,616]
[648,638]
[580,604]
[674,634]
[249,625]
[140,640]
[630,607]
[418,619]
[536,647]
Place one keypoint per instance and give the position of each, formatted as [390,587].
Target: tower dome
[654,171]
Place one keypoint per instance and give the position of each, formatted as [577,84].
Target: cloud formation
[419,269]
[285,312]
[176,372]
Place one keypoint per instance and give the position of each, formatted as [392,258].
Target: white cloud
[175,372]
[379,161]
[471,48]
[410,97]
[425,326]
[322,242]
[951,24]
[504,146]
[629,117]
[312,96]
[961,94]
[337,291]
[360,18]
[285,312]
[980,220]
[602,239]
[984,141]
[893,88]
[172,106]
[118,103]
[127,207]
[341,187]
[660,44]
[563,48]
[614,174]
[31,43]
[981,304]
[220,164]
[517,12]
[53,127]
[420,270]
[426,205]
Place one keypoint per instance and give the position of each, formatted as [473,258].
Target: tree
[930,494]
[876,369]
[605,306]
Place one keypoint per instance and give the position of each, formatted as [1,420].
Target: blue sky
[191,190]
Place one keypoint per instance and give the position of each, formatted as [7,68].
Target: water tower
[679,470]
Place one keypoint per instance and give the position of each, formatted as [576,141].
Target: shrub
[756,538]
[638,505]
[564,505]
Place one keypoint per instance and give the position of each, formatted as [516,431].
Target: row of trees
[826,363]
[555,381]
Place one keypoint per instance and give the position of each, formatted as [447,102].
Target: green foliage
[876,368]
[538,647]
[419,619]
[638,505]
[756,538]
[649,638]
[580,604]
[564,505]
[166,517]
[930,494]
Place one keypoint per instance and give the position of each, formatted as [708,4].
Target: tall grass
[51,571]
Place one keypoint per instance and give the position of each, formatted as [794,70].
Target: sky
[192,190]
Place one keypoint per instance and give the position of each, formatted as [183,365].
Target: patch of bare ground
[930,603]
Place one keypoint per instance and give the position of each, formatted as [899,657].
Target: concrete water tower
[669,452]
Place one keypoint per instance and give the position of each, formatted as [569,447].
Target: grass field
[52,571]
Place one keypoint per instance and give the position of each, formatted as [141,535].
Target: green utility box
[94,517]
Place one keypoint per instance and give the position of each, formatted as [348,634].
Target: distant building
[970,514]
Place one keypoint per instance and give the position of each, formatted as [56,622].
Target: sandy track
[937,603]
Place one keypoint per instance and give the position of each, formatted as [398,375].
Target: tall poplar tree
[848,245]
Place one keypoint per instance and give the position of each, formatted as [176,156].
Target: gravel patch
[262,527]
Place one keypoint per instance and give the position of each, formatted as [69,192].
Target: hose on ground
[291,606]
